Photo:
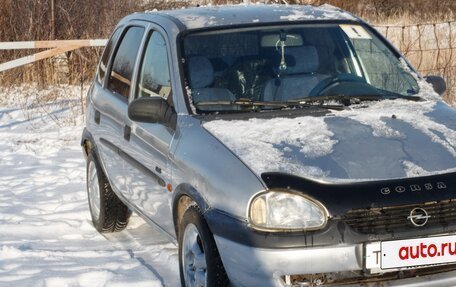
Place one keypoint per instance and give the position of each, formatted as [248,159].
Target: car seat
[298,79]
[201,77]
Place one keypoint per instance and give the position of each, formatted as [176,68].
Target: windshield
[276,67]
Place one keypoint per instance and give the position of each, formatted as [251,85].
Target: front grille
[359,277]
[394,219]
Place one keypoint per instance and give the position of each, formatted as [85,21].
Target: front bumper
[252,266]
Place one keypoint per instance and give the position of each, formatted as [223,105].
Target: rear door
[111,101]
[147,169]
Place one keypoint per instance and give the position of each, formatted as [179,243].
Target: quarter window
[124,62]
[105,58]
[154,79]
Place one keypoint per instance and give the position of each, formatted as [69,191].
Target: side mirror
[438,83]
[152,110]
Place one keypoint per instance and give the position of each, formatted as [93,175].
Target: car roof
[233,15]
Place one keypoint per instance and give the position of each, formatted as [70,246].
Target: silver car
[276,146]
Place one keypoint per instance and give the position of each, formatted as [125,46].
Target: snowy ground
[46,235]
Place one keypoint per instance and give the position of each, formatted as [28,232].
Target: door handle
[97,117]
[127,133]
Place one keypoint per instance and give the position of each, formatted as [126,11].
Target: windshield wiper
[242,103]
[392,96]
[275,105]
[344,99]
[355,99]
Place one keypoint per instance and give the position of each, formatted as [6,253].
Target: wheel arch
[186,195]
[88,143]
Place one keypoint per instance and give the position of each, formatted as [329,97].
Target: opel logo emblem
[418,217]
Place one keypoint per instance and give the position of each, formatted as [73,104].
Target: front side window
[124,61]
[154,78]
[265,68]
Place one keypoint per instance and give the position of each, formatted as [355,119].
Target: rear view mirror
[152,110]
[291,40]
[438,83]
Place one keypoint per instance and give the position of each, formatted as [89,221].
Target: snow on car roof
[212,16]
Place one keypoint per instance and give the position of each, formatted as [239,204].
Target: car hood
[387,139]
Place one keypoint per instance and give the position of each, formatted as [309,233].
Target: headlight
[283,210]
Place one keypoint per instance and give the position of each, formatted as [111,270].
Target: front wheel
[199,261]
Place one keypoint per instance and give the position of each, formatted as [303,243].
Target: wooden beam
[36,57]
[55,47]
[51,44]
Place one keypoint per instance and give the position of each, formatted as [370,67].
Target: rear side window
[154,79]
[107,52]
[124,61]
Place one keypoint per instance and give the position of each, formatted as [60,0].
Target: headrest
[201,72]
[305,59]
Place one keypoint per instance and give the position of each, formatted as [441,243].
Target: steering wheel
[333,81]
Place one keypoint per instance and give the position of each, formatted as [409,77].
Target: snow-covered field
[46,235]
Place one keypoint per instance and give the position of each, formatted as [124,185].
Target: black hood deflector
[341,197]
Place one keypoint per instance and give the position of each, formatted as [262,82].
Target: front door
[147,170]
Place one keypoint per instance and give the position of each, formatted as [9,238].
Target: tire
[200,264]
[109,213]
